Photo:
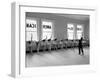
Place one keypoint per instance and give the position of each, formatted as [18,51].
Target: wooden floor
[59,57]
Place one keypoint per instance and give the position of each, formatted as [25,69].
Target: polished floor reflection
[57,58]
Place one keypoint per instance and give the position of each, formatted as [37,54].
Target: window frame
[47,20]
[37,21]
[73,31]
[82,30]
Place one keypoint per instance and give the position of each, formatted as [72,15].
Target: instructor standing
[80,46]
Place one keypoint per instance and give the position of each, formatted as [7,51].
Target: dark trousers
[81,50]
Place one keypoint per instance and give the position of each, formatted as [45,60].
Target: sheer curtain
[47,30]
[31,30]
[70,31]
[79,31]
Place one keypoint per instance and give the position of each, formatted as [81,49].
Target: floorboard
[58,57]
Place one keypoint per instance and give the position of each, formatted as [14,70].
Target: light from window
[79,31]
[70,31]
[31,30]
[31,36]
[47,30]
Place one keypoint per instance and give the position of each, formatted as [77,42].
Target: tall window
[31,30]
[79,31]
[47,30]
[70,31]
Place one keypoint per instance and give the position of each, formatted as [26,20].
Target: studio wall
[60,24]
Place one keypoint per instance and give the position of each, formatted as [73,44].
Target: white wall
[60,23]
[5,39]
